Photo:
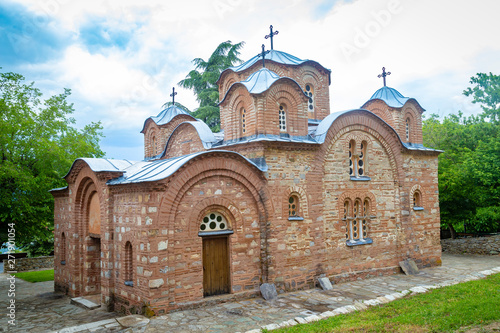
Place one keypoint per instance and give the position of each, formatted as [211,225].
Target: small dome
[260,81]
[272,55]
[390,96]
[166,115]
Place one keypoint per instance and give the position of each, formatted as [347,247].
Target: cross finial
[263,55]
[271,35]
[384,74]
[173,95]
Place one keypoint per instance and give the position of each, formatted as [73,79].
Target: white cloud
[431,48]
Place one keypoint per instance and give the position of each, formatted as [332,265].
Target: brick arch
[173,147]
[410,113]
[127,237]
[416,188]
[342,199]
[290,94]
[384,114]
[358,138]
[86,186]
[304,204]
[215,166]
[230,80]
[223,205]
[363,120]
[230,112]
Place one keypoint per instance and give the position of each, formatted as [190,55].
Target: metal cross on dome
[384,74]
[173,95]
[271,35]
[263,55]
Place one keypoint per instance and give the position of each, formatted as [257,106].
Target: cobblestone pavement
[39,309]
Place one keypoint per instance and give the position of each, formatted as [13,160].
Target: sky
[121,58]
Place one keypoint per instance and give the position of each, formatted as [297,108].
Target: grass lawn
[439,310]
[36,276]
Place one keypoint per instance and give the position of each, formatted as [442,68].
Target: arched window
[62,249]
[365,219]
[407,125]
[282,118]
[358,160]
[293,206]
[153,145]
[310,94]
[357,221]
[362,159]
[128,269]
[214,222]
[243,121]
[348,219]
[417,201]
[352,158]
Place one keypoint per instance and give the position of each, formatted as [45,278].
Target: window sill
[215,233]
[295,218]
[361,179]
[418,208]
[359,242]
[129,283]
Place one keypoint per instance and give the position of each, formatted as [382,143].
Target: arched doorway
[215,231]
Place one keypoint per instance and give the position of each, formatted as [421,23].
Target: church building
[286,193]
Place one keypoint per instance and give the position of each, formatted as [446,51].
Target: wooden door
[215,266]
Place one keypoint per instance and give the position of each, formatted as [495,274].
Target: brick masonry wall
[30,264]
[185,140]
[473,245]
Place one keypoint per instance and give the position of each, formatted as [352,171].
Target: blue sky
[122,58]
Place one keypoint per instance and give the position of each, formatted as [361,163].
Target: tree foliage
[38,144]
[202,80]
[469,168]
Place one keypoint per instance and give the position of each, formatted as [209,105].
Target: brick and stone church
[287,192]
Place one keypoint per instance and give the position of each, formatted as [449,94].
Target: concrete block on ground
[409,267]
[325,283]
[268,291]
[84,303]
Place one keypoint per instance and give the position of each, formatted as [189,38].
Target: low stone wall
[29,264]
[472,245]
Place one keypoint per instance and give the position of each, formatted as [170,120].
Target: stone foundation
[29,264]
[477,245]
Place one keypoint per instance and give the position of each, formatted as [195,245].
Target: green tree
[38,144]
[487,93]
[202,80]
[469,168]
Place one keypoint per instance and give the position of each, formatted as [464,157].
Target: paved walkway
[39,309]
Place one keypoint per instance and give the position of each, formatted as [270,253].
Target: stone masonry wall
[30,264]
[477,245]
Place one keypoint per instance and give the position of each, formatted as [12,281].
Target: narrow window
[417,198]
[365,219]
[282,118]
[128,269]
[407,129]
[352,159]
[362,159]
[310,94]
[356,219]
[243,119]
[293,205]
[153,145]
[348,220]
[62,249]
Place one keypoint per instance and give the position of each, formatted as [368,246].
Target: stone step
[84,303]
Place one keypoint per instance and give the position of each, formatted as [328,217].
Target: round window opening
[214,222]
